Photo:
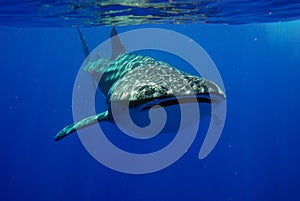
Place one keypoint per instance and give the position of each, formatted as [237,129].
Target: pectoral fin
[81,124]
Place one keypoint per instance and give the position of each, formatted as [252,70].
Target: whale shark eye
[165,89]
[146,91]
[144,88]
[149,92]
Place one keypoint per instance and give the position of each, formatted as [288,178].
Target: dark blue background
[257,157]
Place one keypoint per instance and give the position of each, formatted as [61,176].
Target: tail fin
[84,43]
[86,51]
[81,124]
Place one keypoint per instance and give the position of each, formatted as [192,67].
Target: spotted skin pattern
[135,77]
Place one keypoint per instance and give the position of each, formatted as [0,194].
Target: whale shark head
[161,83]
[158,84]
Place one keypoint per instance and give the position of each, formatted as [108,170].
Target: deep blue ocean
[256,159]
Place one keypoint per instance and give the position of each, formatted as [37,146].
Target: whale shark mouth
[175,108]
[170,101]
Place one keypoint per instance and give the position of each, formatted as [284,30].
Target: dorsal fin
[116,44]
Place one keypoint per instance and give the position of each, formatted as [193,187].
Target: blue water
[256,158]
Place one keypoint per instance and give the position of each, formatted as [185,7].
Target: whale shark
[140,83]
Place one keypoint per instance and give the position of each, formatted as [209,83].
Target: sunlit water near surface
[60,13]
[254,44]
